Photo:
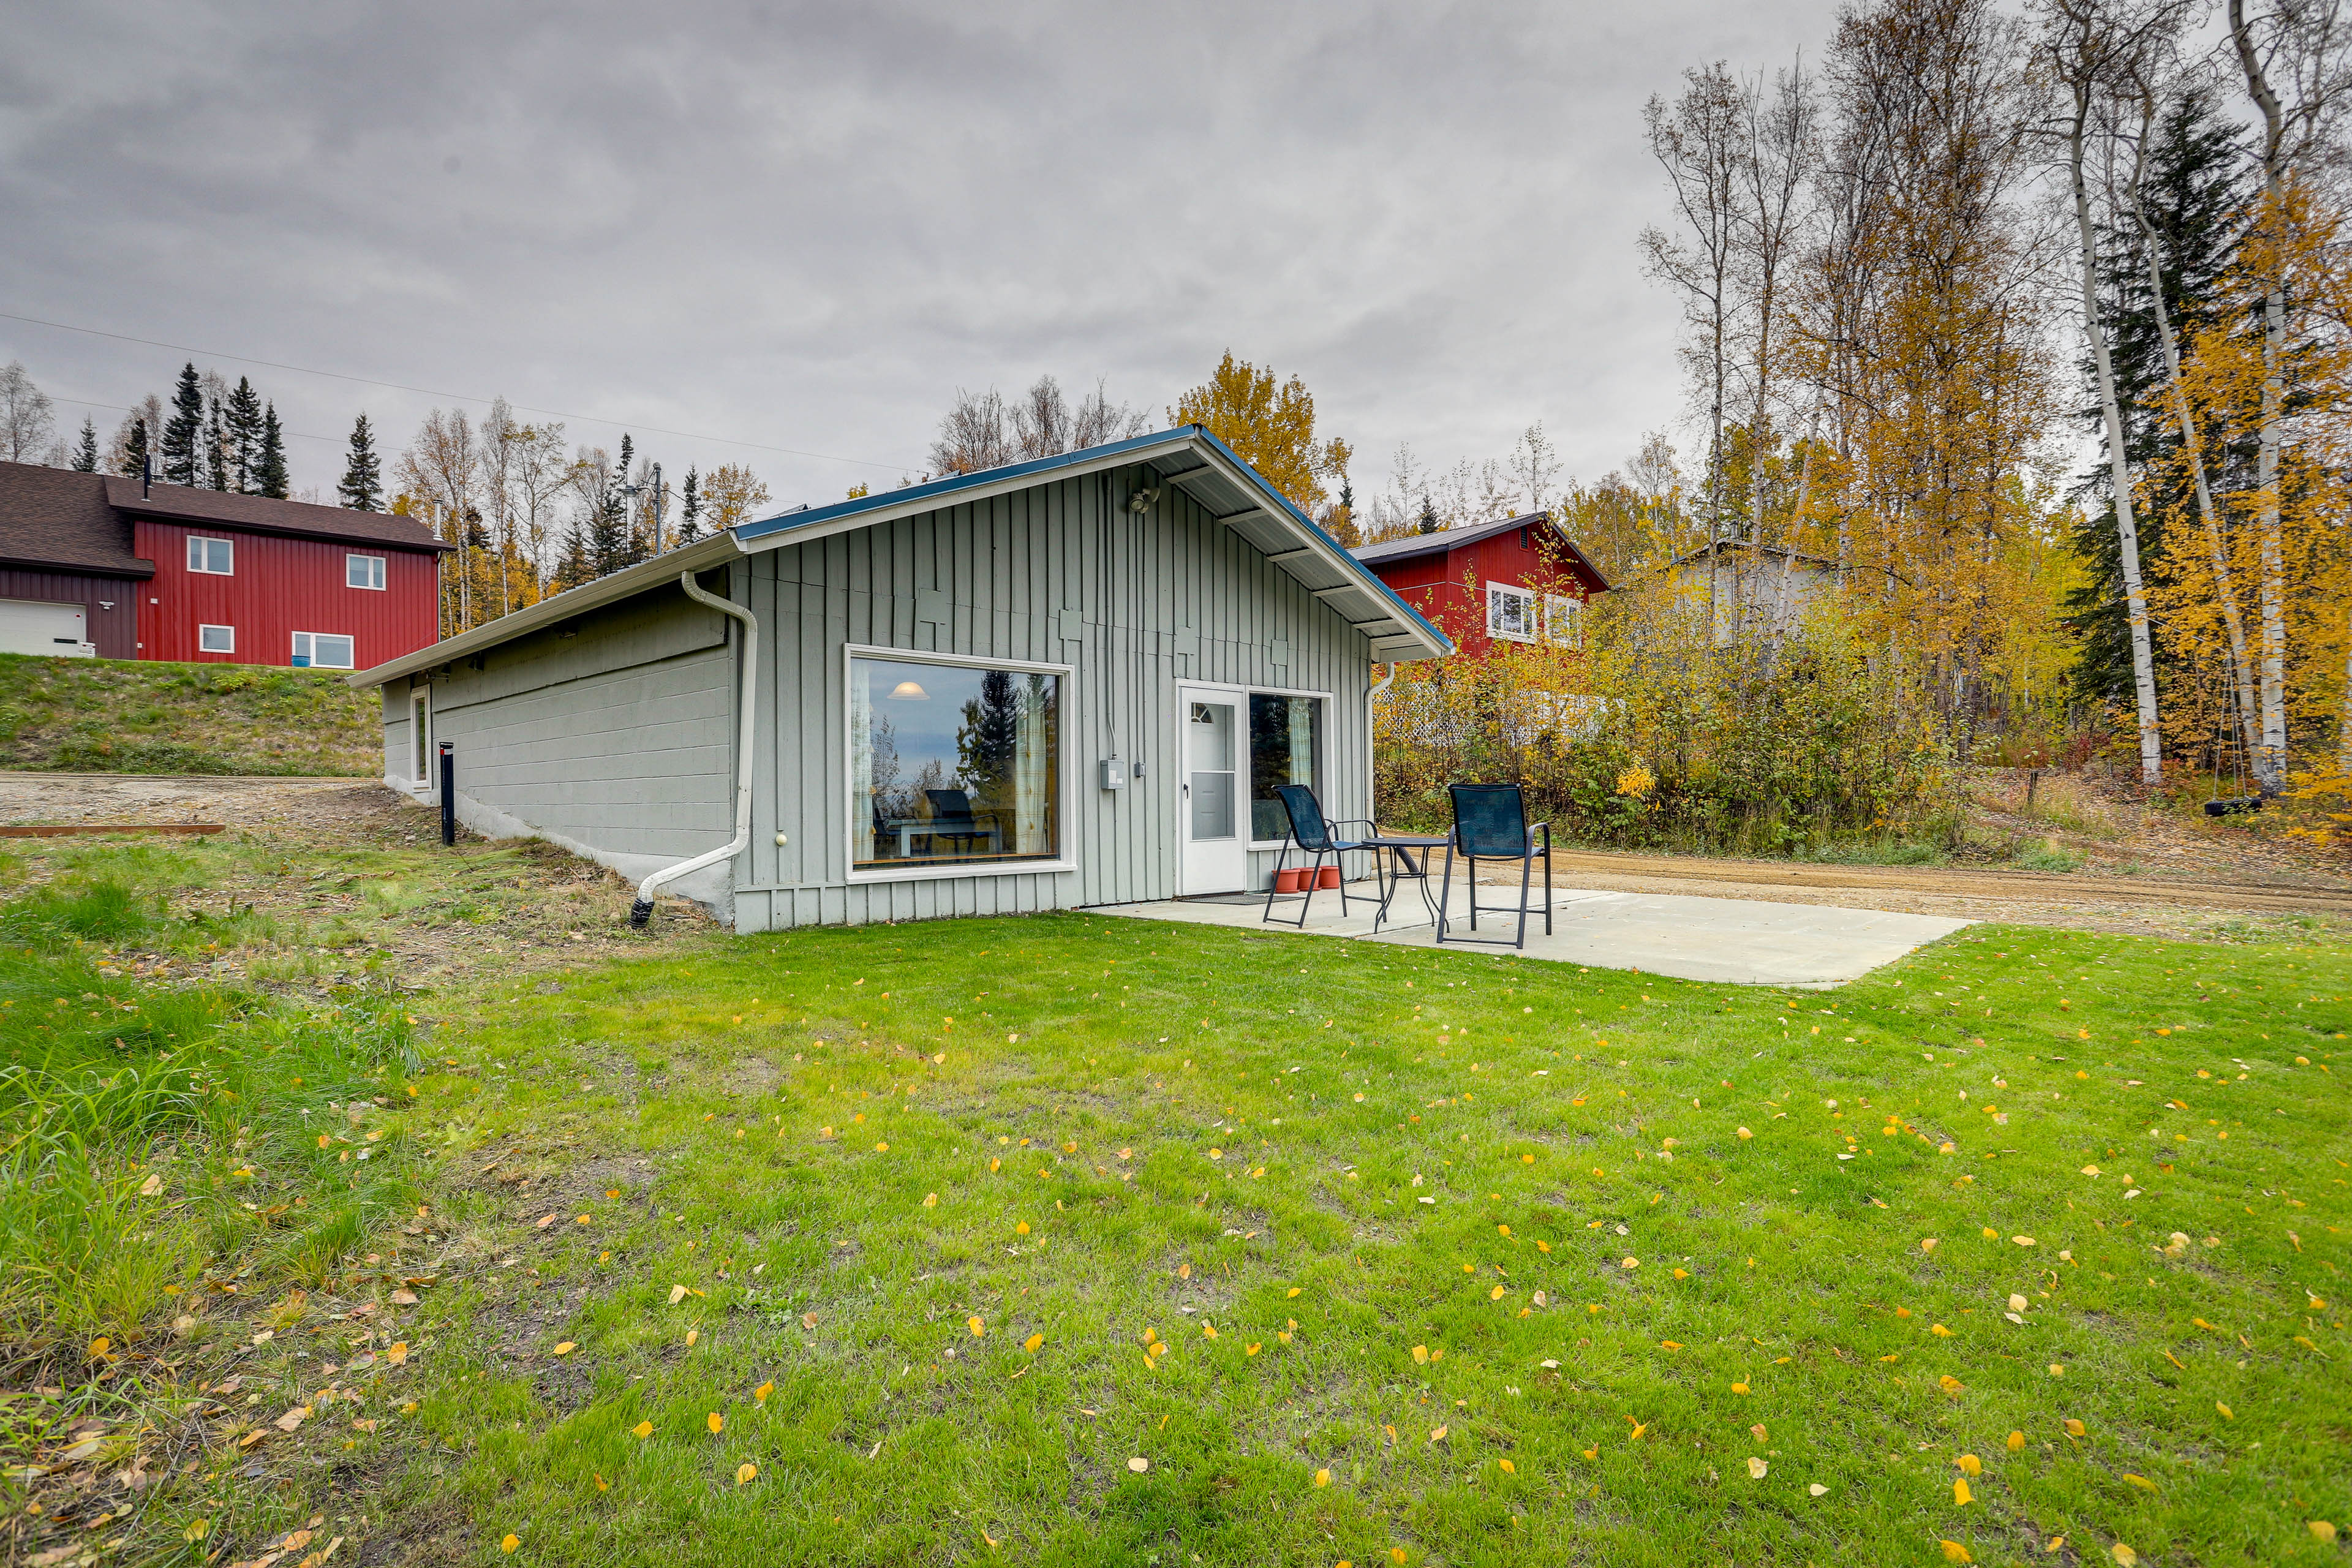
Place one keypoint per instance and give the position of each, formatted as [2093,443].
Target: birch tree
[2090,46]
[2299,44]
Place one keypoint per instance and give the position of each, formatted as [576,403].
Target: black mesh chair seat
[1310,831]
[952,816]
[1490,823]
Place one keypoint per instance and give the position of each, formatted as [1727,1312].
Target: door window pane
[1209,768]
[1286,739]
[953,763]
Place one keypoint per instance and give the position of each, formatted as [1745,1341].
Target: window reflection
[953,763]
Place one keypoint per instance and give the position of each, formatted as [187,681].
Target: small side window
[364,572]
[216,639]
[212,557]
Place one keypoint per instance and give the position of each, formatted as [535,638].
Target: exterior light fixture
[908,691]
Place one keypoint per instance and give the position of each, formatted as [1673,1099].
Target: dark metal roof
[58,519]
[261,514]
[1414,545]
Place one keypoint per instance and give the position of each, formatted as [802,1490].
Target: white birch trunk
[2151,749]
[2225,588]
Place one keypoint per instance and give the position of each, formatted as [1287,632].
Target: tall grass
[151,1132]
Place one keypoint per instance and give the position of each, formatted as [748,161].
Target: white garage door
[28,626]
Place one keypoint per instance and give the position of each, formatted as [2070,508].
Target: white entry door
[29,625]
[1212,811]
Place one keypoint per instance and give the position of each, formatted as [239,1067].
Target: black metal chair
[952,817]
[1490,823]
[1310,833]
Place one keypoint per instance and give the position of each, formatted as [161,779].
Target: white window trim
[1575,607]
[379,572]
[202,629]
[1065,809]
[1535,610]
[1322,750]
[295,647]
[196,556]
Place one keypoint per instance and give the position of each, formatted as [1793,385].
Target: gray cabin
[1064,682]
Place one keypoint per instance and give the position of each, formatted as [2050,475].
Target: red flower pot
[1292,881]
[1328,877]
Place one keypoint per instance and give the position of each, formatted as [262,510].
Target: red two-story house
[1519,580]
[95,565]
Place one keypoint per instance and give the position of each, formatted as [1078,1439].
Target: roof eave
[701,556]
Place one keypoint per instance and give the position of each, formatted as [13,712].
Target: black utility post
[449,794]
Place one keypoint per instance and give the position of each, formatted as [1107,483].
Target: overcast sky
[804,227]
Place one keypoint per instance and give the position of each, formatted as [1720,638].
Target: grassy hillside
[86,715]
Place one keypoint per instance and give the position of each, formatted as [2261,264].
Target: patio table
[1399,848]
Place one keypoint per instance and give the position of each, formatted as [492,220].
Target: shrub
[1644,741]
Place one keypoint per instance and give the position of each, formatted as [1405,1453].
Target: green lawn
[854,1245]
[124,716]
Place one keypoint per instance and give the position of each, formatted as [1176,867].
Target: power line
[119,408]
[460,397]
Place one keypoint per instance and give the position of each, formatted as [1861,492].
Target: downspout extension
[642,911]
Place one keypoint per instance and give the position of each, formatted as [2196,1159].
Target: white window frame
[311,638]
[1322,750]
[420,736]
[1570,612]
[375,572]
[200,552]
[1531,604]
[203,630]
[1066,807]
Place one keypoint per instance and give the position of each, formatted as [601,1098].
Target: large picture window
[1286,738]
[953,764]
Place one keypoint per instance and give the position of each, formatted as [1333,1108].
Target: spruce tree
[84,460]
[361,487]
[217,460]
[689,509]
[2196,193]
[270,467]
[242,426]
[183,432]
[134,449]
[1428,516]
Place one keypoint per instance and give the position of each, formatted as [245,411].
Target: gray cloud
[802,226]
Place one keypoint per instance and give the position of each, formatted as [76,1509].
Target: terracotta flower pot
[1328,877]
[1292,881]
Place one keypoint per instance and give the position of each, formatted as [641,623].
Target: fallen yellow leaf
[564,1347]
[1960,1491]
[716,1421]
[509,1543]
[1756,1468]
[1970,1464]
[1322,1478]
[1032,1343]
[1956,1553]
[746,1473]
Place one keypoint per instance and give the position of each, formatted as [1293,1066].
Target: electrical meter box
[1114,773]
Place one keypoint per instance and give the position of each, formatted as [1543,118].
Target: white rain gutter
[642,911]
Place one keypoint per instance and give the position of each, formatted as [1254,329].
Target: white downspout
[642,911]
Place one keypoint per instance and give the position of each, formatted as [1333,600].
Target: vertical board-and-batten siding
[1059,574]
[612,736]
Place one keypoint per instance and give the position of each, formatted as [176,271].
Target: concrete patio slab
[1742,941]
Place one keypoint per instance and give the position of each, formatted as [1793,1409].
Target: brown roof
[261,514]
[59,519]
